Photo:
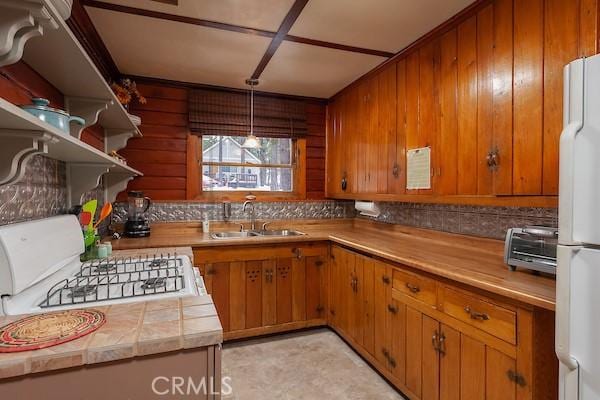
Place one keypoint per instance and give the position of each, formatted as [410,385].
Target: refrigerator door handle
[563,304]
[566,178]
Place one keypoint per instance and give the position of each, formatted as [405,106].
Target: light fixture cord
[252,109]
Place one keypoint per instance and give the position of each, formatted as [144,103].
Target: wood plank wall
[19,83]
[492,78]
[161,154]
[315,151]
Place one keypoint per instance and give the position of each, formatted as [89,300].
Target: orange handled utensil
[105,212]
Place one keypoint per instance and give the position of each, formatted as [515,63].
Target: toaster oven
[531,247]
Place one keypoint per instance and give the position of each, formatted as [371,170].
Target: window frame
[196,192]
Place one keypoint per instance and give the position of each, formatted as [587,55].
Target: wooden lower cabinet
[428,351]
[265,289]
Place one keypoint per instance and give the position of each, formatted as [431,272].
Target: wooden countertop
[131,330]
[473,261]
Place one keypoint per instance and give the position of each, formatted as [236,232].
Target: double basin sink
[248,234]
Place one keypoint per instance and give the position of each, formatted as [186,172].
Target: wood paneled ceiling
[309,48]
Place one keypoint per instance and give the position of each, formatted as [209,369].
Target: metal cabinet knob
[476,315]
[413,288]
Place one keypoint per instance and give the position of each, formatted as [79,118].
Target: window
[227,167]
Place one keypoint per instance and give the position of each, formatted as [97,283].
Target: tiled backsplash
[41,193]
[489,222]
[192,211]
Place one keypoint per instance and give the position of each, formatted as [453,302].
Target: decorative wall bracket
[18,147]
[21,20]
[115,183]
[86,108]
[81,178]
[116,139]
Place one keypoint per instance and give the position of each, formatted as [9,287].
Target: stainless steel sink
[280,232]
[233,235]
[249,234]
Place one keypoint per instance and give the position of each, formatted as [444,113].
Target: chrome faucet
[252,213]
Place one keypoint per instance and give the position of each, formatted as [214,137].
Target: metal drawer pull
[434,341]
[413,288]
[386,279]
[476,315]
[392,309]
[442,344]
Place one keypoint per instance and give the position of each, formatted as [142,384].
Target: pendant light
[251,141]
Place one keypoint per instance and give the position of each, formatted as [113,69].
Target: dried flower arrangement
[126,90]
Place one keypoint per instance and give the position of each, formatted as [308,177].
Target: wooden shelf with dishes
[35,31]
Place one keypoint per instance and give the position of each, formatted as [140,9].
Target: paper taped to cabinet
[418,168]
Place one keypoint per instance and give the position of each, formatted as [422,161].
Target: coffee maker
[137,224]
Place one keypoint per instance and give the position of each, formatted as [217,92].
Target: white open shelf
[59,57]
[35,31]
[22,136]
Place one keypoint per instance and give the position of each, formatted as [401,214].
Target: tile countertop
[131,330]
[477,262]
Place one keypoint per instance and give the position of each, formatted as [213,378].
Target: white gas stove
[40,271]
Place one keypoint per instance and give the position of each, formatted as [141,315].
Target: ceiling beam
[190,85]
[177,18]
[282,32]
[336,46]
[229,27]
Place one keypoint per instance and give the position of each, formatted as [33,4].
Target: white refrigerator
[578,270]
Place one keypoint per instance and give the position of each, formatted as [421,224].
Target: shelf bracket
[115,183]
[86,108]
[81,178]
[18,148]
[21,20]
[116,139]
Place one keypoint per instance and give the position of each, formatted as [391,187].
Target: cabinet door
[334,288]
[386,146]
[431,361]
[334,156]
[383,310]
[472,368]
[269,293]
[414,353]
[316,289]
[299,288]
[355,298]
[498,367]
[237,295]
[254,305]
[218,276]
[450,356]
[283,273]
[398,341]
[368,304]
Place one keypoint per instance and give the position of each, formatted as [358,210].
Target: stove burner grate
[82,291]
[105,268]
[158,263]
[118,278]
[155,283]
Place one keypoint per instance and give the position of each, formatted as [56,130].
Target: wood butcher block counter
[476,262]
[131,330]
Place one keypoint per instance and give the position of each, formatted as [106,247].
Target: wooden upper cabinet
[388,167]
[485,94]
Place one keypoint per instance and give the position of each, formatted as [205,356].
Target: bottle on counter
[206,224]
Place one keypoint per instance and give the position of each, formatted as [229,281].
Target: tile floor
[312,365]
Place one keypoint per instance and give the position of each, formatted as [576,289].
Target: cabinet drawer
[416,286]
[481,313]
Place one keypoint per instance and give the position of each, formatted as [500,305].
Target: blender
[137,224]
